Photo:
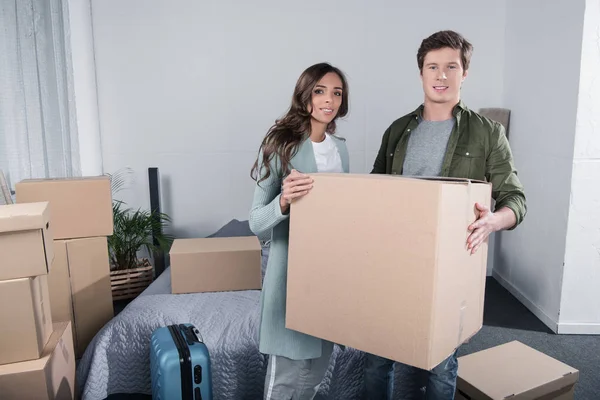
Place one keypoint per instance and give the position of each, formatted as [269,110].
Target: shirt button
[391,154]
[467,153]
[408,130]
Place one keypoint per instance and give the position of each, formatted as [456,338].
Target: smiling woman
[302,140]
[315,90]
[325,102]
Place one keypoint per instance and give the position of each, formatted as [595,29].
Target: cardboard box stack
[514,371]
[50,377]
[384,267]
[215,264]
[28,338]
[79,278]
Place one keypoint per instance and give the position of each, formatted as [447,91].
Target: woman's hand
[295,185]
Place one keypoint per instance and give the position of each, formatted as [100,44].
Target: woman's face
[326,98]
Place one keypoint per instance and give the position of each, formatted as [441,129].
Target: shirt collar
[460,106]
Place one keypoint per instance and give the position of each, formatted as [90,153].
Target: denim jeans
[440,382]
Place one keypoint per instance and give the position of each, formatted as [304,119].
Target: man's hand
[481,228]
[487,223]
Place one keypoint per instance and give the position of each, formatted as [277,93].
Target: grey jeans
[296,379]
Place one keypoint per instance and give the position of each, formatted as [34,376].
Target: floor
[506,319]
[120,305]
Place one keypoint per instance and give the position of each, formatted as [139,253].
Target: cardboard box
[25,240]
[80,288]
[25,318]
[215,264]
[379,263]
[516,371]
[52,377]
[59,284]
[80,207]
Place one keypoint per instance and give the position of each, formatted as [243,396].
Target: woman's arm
[273,196]
[266,206]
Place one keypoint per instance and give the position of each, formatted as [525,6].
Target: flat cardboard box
[80,288]
[516,371]
[80,207]
[25,318]
[51,377]
[379,263]
[25,240]
[215,264]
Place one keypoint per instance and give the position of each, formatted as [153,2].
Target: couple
[440,138]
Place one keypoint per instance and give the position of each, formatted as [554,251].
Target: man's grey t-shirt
[426,148]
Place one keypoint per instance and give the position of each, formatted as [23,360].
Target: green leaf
[133,230]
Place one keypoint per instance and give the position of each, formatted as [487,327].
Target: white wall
[580,303]
[542,65]
[192,86]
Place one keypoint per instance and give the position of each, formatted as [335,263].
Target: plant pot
[129,283]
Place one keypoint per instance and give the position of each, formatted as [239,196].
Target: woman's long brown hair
[285,136]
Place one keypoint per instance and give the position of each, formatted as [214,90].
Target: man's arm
[507,190]
[505,219]
[379,166]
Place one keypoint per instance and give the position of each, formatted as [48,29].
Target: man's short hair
[443,39]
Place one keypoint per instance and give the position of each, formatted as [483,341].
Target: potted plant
[134,231]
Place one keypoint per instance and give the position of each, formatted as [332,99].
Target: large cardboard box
[80,289]
[25,240]
[514,371]
[80,207]
[25,318]
[51,377]
[215,264]
[379,263]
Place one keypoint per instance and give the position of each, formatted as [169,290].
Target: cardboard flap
[215,245]
[68,179]
[24,216]
[89,270]
[448,179]
[516,369]
[389,177]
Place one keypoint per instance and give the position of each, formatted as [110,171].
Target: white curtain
[38,130]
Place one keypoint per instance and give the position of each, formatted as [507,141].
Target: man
[444,138]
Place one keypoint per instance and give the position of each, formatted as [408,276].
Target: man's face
[442,75]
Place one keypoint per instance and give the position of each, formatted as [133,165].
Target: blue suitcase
[180,364]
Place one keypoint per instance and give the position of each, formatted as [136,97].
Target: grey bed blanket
[117,360]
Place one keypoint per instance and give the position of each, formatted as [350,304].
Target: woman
[303,140]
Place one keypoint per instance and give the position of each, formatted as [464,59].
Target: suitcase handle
[185,362]
[192,334]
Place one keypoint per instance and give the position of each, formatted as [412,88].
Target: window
[38,131]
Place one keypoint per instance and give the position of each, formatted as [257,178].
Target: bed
[117,359]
